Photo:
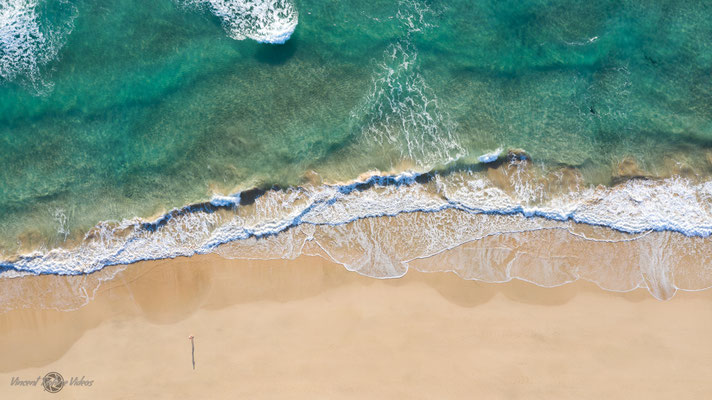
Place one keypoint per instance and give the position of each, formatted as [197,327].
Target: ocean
[375,133]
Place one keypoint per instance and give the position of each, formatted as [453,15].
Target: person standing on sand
[192,349]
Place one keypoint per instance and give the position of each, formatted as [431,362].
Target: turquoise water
[122,109]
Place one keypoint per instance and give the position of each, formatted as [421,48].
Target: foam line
[637,206]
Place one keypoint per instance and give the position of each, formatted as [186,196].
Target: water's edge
[379,224]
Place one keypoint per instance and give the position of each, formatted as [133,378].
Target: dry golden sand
[308,329]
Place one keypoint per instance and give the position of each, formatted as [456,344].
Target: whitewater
[456,207]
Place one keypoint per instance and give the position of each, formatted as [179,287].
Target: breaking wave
[265,21]
[380,225]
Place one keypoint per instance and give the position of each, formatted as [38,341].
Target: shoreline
[305,327]
[631,208]
[663,263]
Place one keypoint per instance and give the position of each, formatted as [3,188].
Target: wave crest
[265,21]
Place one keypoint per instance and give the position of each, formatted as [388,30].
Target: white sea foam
[442,213]
[225,201]
[61,219]
[266,21]
[490,157]
[27,42]
[403,111]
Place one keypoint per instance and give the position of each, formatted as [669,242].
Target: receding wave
[381,225]
[266,21]
[28,40]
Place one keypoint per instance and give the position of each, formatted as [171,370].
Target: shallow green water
[150,105]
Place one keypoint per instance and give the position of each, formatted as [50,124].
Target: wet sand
[308,328]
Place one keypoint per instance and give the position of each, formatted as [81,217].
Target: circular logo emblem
[53,382]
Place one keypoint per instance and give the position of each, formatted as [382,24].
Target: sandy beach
[312,199]
[308,328]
